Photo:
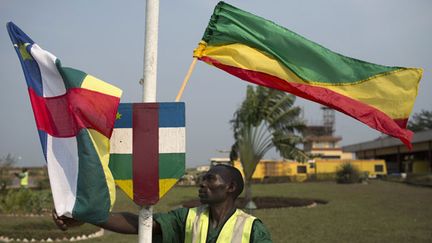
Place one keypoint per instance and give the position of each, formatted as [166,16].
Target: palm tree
[266,119]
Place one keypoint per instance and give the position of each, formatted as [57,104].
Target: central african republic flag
[261,52]
[75,114]
[148,149]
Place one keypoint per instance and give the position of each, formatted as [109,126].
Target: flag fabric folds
[261,52]
[148,149]
[75,115]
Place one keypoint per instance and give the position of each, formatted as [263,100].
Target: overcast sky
[106,39]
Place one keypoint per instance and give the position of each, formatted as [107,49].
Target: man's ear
[232,186]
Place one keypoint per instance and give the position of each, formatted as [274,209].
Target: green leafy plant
[348,173]
[6,162]
[25,201]
[421,121]
[44,183]
[266,119]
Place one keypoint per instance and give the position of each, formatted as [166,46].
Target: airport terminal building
[397,156]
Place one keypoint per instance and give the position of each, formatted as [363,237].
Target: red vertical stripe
[145,153]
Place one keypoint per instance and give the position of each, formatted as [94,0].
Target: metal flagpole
[150,51]
[149,95]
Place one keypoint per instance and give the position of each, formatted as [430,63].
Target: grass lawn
[378,212]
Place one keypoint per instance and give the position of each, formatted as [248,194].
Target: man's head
[220,183]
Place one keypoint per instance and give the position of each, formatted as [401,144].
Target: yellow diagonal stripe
[165,185]
[392,93]
[126,186]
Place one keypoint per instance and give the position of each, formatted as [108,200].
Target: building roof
[387,141]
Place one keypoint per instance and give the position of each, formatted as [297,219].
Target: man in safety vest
[217,220]
[24,177]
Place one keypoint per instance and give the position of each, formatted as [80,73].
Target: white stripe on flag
[121,141]
[52,81]
[172,140]
[62,162]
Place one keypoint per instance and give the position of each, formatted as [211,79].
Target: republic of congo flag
[261,52]
[75,115]
[148,149]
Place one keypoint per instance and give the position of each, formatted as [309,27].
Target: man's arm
[260,233]
[124,222]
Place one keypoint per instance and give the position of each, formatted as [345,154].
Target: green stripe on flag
[91,182]
[309,60]
[171,165]
[121,166]
[72,78]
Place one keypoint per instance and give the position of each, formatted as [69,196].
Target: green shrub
[25,201]
[5,179]
[348,173]
[43,183]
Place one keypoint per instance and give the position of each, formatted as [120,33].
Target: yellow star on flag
[23,51]
[118,116]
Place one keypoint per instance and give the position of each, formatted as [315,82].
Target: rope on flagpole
[186,79]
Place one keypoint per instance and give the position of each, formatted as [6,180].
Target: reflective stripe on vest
[237,229]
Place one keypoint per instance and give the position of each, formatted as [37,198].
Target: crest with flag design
[148,149]
[75,114]
[262,52]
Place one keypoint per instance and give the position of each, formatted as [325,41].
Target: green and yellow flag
[264,53]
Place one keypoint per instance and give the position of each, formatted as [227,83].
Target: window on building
[379,168]
[301,169]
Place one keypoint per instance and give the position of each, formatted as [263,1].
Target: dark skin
[217,189]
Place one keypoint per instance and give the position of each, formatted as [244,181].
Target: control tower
[320,140]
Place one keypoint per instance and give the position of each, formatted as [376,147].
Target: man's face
[214,188]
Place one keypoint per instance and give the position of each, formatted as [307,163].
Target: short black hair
[236,177]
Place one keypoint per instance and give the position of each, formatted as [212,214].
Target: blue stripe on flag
[124,116]
[172,114]
[30,67]
[33,76]
[43,138]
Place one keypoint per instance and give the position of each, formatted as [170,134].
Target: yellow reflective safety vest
[237,229]
[24,179]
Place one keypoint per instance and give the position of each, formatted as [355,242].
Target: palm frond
[266,119]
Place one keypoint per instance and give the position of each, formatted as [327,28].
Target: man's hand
[64,222]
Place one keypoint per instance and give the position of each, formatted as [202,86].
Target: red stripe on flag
[401,122]
[145,153]
[66,115]
[369,115]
